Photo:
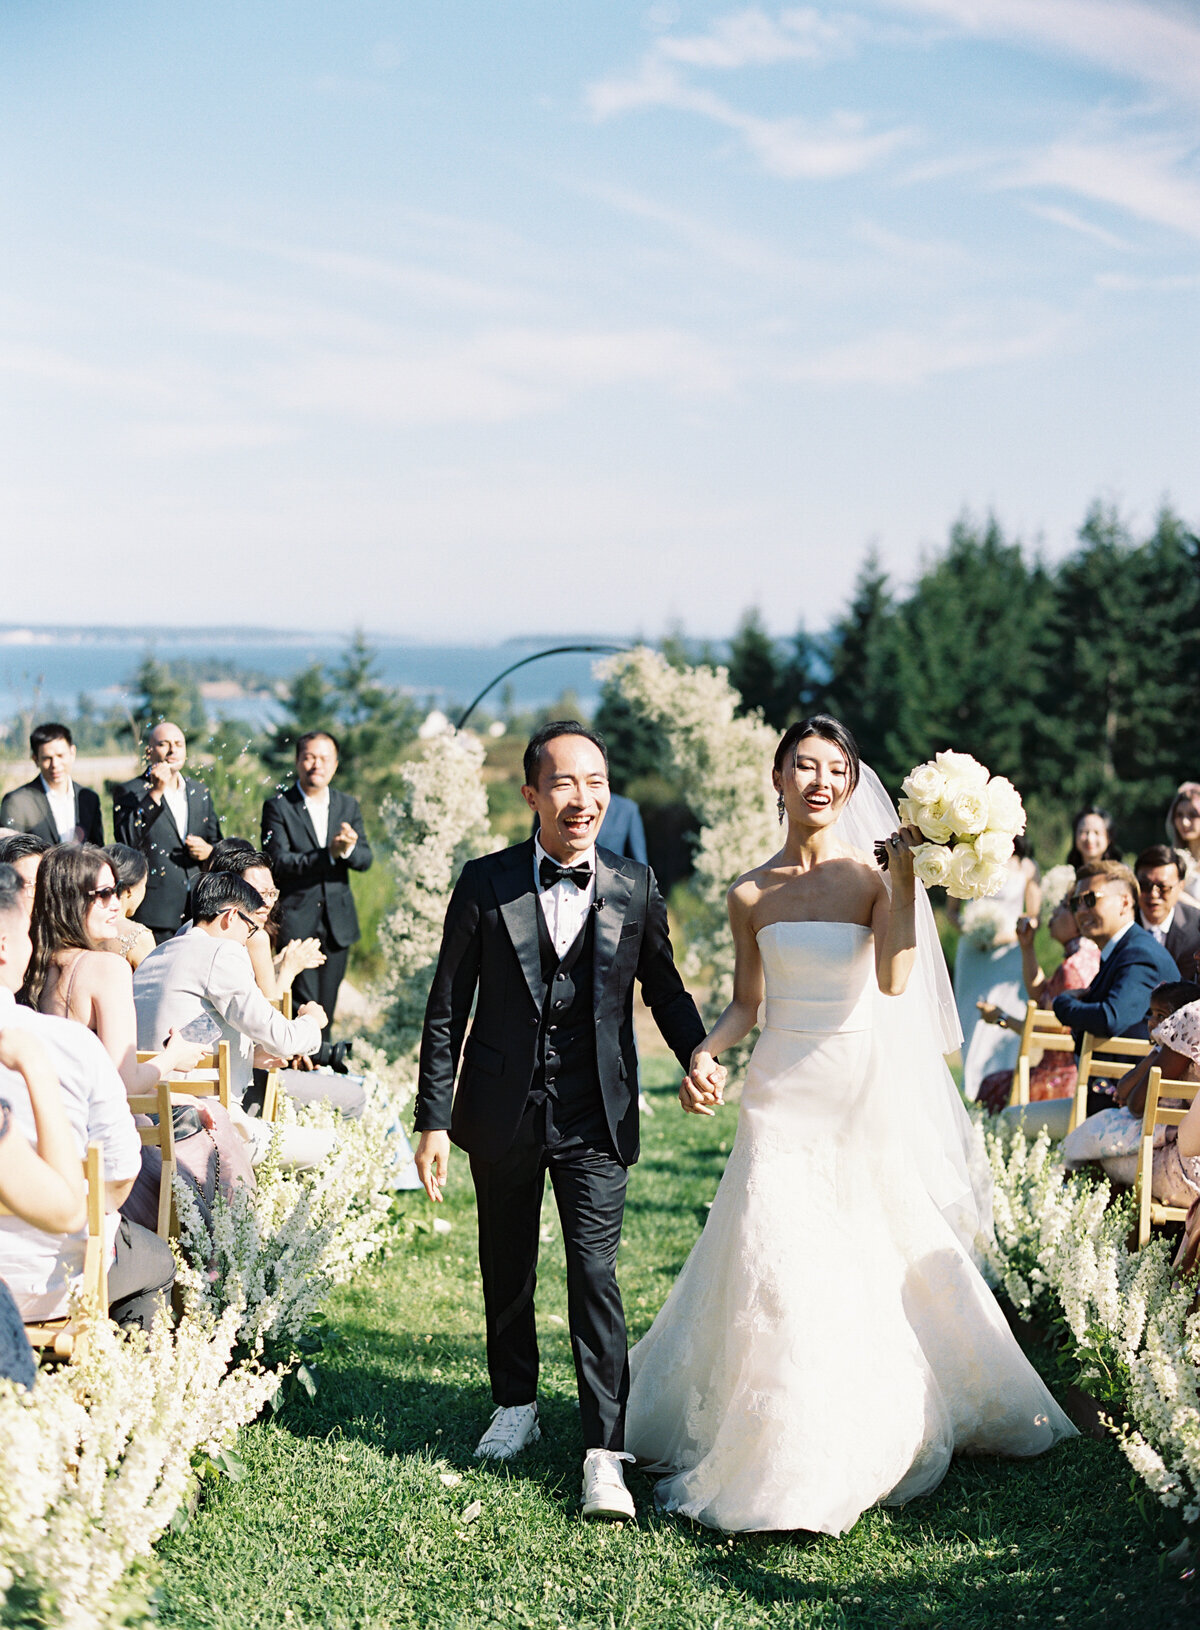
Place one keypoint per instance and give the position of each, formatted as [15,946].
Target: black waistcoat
[566,1057]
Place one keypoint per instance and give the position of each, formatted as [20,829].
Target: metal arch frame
[555,651]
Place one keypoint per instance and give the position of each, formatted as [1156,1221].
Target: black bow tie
[550,873]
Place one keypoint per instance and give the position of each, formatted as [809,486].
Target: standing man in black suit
[52,806]
[168,816]
[546,939]
[314,837]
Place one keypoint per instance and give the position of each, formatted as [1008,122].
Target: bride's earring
[780,807]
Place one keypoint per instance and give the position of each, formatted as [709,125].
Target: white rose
[964,869]
[967,807]
[1006,812]
[994,847]
[931,864]
[934,821]
[926,784]
[960,769]
[989,879]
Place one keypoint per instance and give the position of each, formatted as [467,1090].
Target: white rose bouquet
[985,922]
[969,818]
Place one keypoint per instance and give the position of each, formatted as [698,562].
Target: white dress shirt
[176,801]
[1107,950]
[42,1269]
[62,809]
[318,814]
[564,906]
[1162,929]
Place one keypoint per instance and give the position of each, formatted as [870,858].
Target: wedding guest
[52,805]
[1183,831]
[274,971]
[76,916]
[207,972]
[43,1269]
[1175,1166]
[314,837]
[131,870]
[168,816]
[1092,837]
[622,832]
[1112,1135]
[23,851]
[1055,1074]
[991,972]
[1132,962]
[1163,908]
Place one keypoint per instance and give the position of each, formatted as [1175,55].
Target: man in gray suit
[1164,909]
[52,806]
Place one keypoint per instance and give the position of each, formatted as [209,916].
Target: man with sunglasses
[1164,909]
[1132,962]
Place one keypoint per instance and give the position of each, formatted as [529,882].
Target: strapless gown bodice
[829,1343]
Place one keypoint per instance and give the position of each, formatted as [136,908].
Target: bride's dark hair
[829,729]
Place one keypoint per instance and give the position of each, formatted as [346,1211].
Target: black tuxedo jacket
[490,945]
[142,824]
[314,888]
[1183,936]
[27,809]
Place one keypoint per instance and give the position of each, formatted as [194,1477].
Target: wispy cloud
[908,357]
[752,38]
[1150,179]
[1076,223]
[1154,44]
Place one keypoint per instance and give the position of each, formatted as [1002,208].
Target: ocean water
[49,670]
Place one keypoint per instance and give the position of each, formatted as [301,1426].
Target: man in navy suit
[622,832]
[1132,962]
[53,806]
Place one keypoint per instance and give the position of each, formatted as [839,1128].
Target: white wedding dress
[829,1343]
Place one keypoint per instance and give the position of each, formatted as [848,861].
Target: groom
[551,933]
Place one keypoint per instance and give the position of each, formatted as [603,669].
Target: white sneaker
[513,1426]
[604,1493]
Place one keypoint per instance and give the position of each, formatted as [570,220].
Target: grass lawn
[344,1518]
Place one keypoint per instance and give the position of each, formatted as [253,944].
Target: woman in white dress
[829,1343]
[992,974]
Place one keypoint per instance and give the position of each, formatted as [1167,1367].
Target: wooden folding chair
[211,1076]
[1040,1030]
[161,1137]
[1120,1054]
[65,1336]
[1157,1114]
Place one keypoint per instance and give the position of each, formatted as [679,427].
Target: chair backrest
[1117,1051]
[1156,1114]
[160,1137]
[210,1076]
[64,1335]
[1039,1029]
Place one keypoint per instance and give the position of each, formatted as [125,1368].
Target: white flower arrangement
[970,819]
[984,923]
[1057,883]
[1060,1248]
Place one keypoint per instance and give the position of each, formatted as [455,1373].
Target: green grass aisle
[344,1519]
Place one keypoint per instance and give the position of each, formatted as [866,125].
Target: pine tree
[862,686]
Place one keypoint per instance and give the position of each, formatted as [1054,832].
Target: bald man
[170,818]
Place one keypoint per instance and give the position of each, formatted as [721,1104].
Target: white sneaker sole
[482,1452]
[597,1512]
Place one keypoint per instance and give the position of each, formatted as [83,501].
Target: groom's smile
[571,795]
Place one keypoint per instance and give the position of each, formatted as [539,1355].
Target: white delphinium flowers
[983,922]
[969,818]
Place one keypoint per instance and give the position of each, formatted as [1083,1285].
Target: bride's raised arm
[701,1088]
[894,919]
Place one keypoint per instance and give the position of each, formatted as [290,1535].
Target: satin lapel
[519,907]
[615,890]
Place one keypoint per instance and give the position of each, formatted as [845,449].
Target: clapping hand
[197,848]
[1026,928]
[702,1088]
[343,841]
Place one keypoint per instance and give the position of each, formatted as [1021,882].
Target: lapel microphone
[598,905]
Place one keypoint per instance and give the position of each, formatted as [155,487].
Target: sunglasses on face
[1155,888]
[108,892]
[1085,902]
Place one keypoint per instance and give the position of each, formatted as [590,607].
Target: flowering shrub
[1060,1249]
[1057,883]
[970,819]
[725,764]
[96,1460]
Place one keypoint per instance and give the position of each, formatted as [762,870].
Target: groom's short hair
[542,738]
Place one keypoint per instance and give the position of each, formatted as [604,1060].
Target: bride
[830,1343]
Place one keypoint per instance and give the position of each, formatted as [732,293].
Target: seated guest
[1112,1134]
[1092,837]
[1163,908]
[1054,1075]
[207,971]
[76,916]
[52,806]
[313,835]
[1175,1172]
[131,870]
[274,971]
[23,851]
[1187,1258]
[1183,832]
[43,1186]
[43,1269]
[168,816]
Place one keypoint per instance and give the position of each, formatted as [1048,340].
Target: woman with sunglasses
[132,872]
[76,914]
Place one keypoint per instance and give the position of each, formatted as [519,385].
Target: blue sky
[470,320]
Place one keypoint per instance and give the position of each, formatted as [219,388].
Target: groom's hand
[432,1160]
[701,1089]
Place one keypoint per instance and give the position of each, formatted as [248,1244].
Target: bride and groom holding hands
[829,1342]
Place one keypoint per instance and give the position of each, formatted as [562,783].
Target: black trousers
[589,1190]
[139,1277]
[322,984]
